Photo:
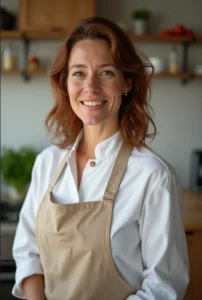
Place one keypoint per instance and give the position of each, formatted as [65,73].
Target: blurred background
[168,33]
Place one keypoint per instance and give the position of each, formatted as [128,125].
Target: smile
[93,103]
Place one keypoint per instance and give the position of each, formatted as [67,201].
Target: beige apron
[74,244]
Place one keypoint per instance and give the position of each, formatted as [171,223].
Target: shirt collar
[106,148]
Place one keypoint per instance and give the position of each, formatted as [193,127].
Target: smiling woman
[102,217]
[102,54]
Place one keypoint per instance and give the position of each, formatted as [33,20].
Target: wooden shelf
[60,34]
[33,35]
[45,35]
[11,72]
[25,72]
[158,38]
[197,76]
[168,75]
[10,34]
[199,40]
[37,73]
[178,75]
[44,72]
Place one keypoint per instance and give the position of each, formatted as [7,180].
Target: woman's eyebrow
[101,66]
[107,65]
[78,66]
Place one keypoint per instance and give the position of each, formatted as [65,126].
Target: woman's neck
[92,137]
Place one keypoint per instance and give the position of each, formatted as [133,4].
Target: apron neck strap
[58,172]
[117,172]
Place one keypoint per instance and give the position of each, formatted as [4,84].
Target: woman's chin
[92,122]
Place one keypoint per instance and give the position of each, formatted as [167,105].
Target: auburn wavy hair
[135,111]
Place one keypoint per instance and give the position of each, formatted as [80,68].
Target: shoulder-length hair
[134,114]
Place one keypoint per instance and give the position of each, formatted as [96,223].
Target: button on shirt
[92,164]
[147,236]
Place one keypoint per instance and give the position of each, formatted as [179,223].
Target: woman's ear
[127,85]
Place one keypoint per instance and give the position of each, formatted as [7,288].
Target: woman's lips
[93,105]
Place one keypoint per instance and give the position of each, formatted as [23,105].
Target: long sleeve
[164,249]
[25,250]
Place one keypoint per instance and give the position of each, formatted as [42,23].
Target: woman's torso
[144,169]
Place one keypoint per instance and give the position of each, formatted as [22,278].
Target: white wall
[178,108]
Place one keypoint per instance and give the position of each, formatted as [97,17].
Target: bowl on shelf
[198,69]
[158,64]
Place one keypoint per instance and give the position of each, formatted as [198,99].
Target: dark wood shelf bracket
[185,47]
[26,46]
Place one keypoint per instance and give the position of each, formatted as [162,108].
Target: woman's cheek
[73,87]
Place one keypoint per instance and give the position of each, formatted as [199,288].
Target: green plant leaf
[16,166]
[141,14]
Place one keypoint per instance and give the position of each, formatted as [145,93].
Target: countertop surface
[192,213]
[192,210]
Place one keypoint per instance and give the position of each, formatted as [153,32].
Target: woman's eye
[78,74]
[107,73]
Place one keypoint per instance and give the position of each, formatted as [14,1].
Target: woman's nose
[92,84]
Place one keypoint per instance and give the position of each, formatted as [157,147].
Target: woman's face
[94,83]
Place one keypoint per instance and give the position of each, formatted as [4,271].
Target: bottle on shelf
[8,59]
[173,61]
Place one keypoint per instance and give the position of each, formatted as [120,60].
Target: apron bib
[74,243]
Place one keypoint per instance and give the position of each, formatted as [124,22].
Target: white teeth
[92,103]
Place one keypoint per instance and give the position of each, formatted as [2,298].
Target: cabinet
[54,15]
[45,20]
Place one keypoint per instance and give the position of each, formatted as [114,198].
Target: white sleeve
[25,250]
[164,249]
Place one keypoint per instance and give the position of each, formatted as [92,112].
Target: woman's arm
[25,249]
[164,249]
[33,287]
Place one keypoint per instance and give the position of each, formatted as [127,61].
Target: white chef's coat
[147,235]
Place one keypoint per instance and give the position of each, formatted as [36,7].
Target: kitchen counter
[8,228]
[192,210]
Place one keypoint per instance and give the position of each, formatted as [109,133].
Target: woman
[102,217]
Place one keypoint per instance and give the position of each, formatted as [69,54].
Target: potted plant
[16,169]
[140,19]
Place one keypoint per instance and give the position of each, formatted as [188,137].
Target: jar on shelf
[173,61]
[9,62]
[33,63]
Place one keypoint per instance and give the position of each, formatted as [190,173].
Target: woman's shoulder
[51,156]
[53,151]
[152,163]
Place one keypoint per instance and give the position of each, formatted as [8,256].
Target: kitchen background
[177,108]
